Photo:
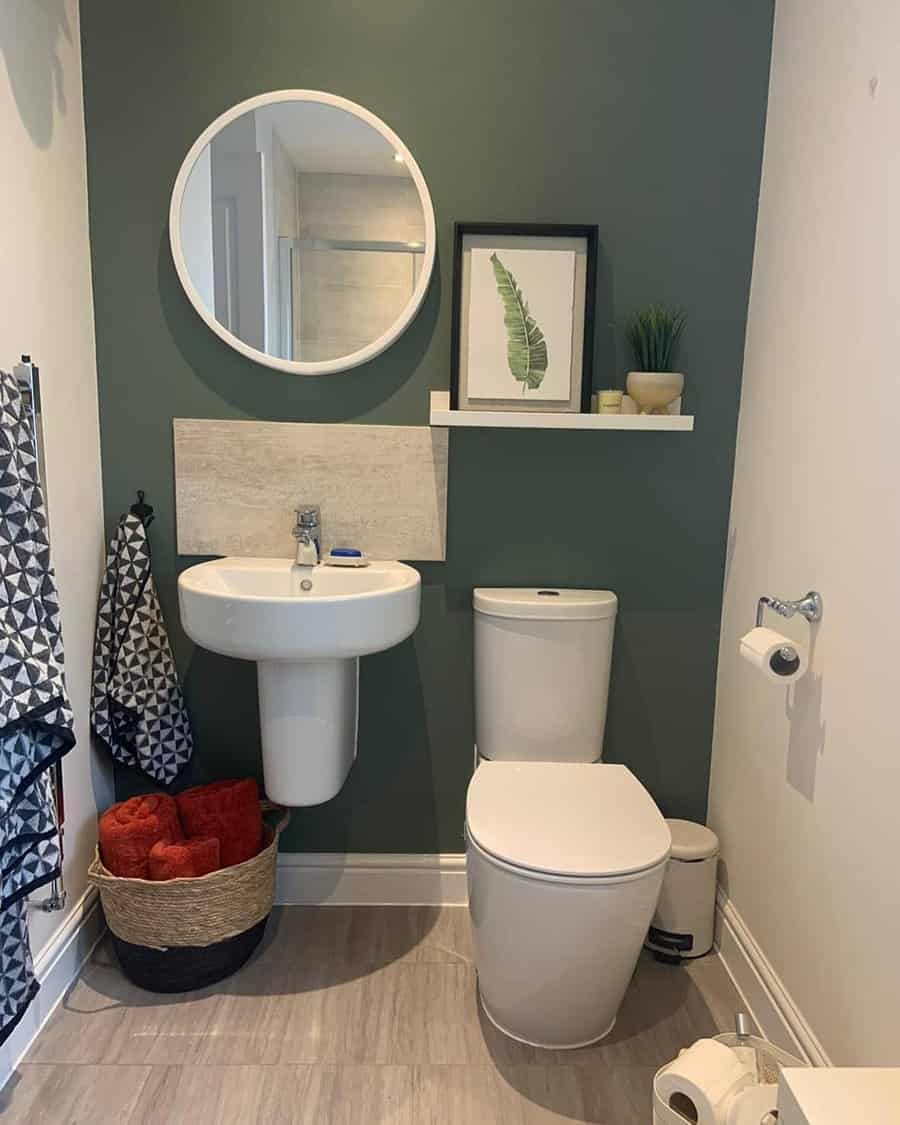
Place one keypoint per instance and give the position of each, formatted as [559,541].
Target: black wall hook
[144,512]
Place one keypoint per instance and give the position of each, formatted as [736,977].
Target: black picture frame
[590,233]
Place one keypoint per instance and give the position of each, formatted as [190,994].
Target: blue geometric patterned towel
[35,717]
[137,709]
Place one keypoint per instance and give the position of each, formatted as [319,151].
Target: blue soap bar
[346,553]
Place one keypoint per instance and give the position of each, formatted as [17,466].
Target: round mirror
[302,231]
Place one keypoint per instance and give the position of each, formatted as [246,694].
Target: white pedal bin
[685,914]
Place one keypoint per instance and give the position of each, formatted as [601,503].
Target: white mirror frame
[298,367]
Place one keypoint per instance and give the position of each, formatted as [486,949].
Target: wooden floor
[350,1015]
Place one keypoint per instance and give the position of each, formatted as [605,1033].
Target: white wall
[239,218]
[805,788]
[265,143]
[46,309]
[197,228]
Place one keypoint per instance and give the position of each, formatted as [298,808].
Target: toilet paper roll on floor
[781,660]
[702,1082]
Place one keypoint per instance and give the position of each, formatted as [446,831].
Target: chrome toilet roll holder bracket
[809,607]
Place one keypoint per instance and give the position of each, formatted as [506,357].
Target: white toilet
[565,855]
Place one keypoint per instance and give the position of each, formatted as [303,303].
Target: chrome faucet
[308,533]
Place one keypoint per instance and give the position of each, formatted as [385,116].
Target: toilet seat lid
[582,819]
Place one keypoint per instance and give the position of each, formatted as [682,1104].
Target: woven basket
[182,934]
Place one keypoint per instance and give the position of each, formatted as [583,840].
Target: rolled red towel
[184,859]
[129,830]
[228,810]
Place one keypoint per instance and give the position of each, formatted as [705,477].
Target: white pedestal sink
[306,628]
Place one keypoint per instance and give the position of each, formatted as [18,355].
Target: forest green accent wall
[643,116]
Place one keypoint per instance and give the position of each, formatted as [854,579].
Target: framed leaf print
[523,311]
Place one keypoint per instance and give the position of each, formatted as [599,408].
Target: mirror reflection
[303,231]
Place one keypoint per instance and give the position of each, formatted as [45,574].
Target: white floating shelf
[442,415]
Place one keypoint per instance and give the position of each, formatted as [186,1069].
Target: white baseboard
[358,879]
[57,965]
[762,990]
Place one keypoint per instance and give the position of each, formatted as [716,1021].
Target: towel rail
[28,378]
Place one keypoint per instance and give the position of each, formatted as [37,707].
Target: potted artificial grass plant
[653,333]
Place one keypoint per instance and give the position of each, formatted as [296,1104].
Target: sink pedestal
[308,721]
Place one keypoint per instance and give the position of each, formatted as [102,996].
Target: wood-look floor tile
[558,1093]
[400,1014]
[377,935]
[715,989]
[545,1094]
[91,1015]
[428,1012]
[329,1025]
[620,1096]
[277,1095]
[381,935]
[360,935]
[376,1095]
[163,1029]
[244,1028]
[170,1090]
[663,1011]
[417,1013]
[446,935]
[105,1019]
[319,932]
[251,1010]
[229,1095]
[452,1095]
[41,1094]
[350,1015]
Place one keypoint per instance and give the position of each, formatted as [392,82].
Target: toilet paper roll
[780,659]
[702,1081]
[751,1105]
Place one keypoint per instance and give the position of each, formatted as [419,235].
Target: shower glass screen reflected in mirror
[304,233]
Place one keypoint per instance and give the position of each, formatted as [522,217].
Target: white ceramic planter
[653,391]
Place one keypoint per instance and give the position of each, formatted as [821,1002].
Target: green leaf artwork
[526,348]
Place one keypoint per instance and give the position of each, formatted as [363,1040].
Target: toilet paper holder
[809,607]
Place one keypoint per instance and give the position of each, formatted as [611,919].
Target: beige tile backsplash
[381,488]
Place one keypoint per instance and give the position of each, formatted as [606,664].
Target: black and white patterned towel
[35,717]
[137,709]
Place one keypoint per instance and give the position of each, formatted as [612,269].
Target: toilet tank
[542,659]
